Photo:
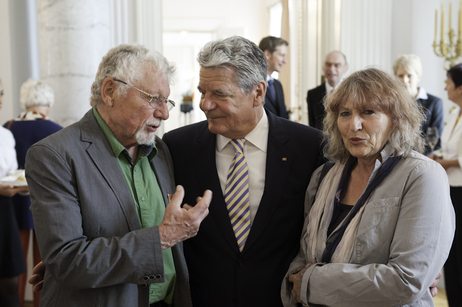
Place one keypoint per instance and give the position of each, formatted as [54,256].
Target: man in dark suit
[275,49]
[334,67]
[99,190]
[281,156]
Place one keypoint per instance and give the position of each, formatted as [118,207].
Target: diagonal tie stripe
[237,194]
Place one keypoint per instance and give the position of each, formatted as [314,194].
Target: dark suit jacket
[433,107]
[277,106]
[315,106]
[87,226]
[220,275]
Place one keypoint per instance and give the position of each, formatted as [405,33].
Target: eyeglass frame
[156,98]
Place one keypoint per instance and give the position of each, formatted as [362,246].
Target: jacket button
[144,286]
[152,277]
[158,276]
[145,278]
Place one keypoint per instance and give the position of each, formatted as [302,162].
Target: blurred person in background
[451,146]
[335,66]
[408,69]
[275,49]
[11,258]
[30,127]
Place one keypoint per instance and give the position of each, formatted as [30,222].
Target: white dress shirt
[451,146]
[7,152]
[255,148]
[329,88]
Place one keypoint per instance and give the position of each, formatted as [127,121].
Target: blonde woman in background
[408,69]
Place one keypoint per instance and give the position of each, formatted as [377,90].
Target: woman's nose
[356,123]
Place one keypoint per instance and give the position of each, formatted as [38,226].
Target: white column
[73,37]
[366,33]
[320,34]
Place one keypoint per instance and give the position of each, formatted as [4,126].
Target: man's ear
[267,55]
[259,92]
[107,91]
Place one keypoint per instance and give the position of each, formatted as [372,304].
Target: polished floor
[440,300]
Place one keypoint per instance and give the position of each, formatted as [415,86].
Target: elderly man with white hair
[99,193]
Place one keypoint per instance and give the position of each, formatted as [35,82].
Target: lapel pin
[284,159]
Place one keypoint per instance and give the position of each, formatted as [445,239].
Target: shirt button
[142,198]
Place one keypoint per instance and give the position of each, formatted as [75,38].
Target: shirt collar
[29,115]
[117,147]
[258,136]
[330,88]
[422,94]
[268,77]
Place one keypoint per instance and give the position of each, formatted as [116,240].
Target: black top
[340,212]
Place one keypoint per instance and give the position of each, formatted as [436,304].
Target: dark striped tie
[237,194]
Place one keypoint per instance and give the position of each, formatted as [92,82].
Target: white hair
[243,55]
[36,93]
[129,63]
[408,62]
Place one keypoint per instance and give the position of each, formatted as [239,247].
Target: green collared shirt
[148,200]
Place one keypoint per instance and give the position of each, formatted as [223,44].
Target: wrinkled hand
[10,190]
[296,280]
[433,287]
[36,280]
[179,223]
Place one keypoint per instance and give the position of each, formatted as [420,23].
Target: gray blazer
[87,225]
[403,241]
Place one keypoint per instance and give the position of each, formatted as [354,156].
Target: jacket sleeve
[420,224]
[437,119]
[311,113]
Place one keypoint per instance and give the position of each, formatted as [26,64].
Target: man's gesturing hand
[179,223]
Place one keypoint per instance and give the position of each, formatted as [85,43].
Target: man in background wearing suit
[99,190]
[334,67]
[275,49]
[229,265]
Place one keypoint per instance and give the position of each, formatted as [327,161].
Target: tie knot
[238,145]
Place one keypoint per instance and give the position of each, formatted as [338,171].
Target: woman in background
[451,160]
[30,127]
[408,69]
[11,257]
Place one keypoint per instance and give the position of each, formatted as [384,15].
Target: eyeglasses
[155,101]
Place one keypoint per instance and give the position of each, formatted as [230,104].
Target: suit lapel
[207,167]
[278,161]
[162,169]
[100,151]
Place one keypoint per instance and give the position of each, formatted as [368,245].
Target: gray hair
[35,93]
[129,63]
[375,88]
[247,59]
[408,62]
